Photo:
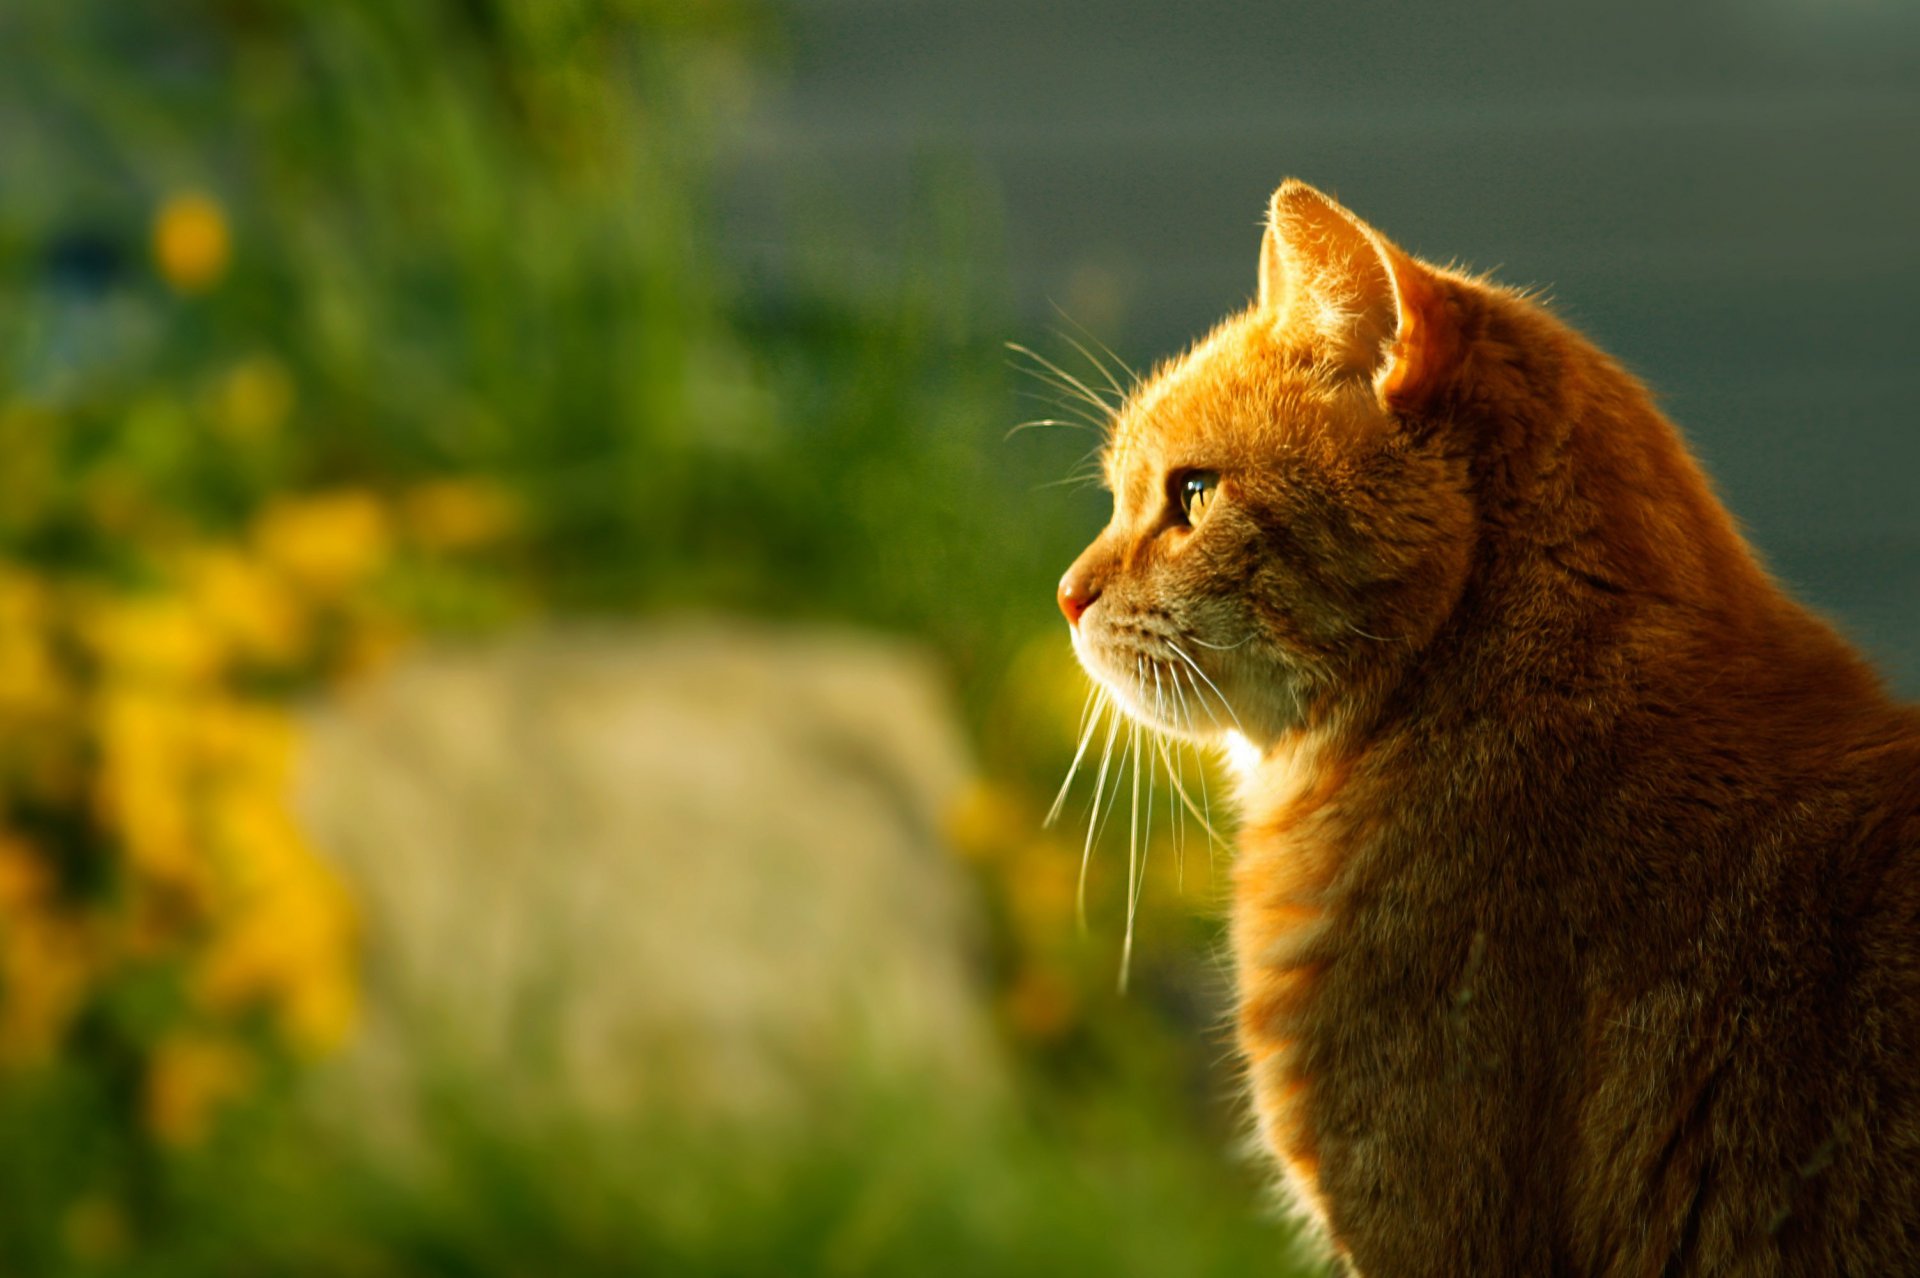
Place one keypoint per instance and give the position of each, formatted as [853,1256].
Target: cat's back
[1749,1100]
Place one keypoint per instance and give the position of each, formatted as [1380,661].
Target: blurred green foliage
[456,256]
[468,233]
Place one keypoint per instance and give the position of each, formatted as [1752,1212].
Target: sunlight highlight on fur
[1242,755]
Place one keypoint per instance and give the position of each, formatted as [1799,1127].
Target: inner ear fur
[1327,275]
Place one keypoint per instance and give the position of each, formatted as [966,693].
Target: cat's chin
[1163,697]
[1202,733]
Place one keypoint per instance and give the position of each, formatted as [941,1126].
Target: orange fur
[1577,916]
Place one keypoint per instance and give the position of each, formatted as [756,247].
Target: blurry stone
[693,865]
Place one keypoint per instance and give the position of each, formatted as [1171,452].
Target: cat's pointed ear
[1326,273]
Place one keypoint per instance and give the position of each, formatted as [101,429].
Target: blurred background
[529,684]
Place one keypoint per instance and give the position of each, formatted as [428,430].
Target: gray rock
[695,865]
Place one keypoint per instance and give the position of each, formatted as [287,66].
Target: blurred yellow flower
[460,514]
[151,639]
[188,1077]
[30,682]
[155,724]
[254,398]
[370,642]
[190,242]
[287,941]
[145,788]
[287,946]
[247,607]
[44,969]
[23,875]
[326,543]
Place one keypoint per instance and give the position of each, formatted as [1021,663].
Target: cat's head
[1288,529]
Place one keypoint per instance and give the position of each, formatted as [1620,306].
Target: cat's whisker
[1086,470]
[1094,360]
[1034,423]
[1073,383]
[1067,403]
[1376,638]
[1203,816]
[1177,777]
[1133,864]
[1063,394]
[1204,812]
[1194,666]
[1089,724]
[1070,481]
[1215,842]
[1163,698]
[1133,374]
[1094,821]
[1050,371]
[1223,647]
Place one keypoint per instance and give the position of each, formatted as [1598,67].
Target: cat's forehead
[1235,394]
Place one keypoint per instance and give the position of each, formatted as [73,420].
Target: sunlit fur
[1577,907]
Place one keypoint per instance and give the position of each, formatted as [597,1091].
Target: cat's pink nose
[1077,592]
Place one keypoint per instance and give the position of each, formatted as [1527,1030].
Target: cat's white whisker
[1089,724]
[1376,638]
[1067,402]
[1194,666]
[1094,821]
[1205,819]
[1094,360]
[1133,865]
[1204,813]
[1133,374]
[1177,778]
[1223,647]
[1078,386]
[1034,423]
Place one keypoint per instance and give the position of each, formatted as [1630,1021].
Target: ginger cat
[1576,917]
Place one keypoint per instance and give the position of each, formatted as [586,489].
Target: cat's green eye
[1194,491]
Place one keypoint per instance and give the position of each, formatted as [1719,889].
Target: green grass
[863,1185]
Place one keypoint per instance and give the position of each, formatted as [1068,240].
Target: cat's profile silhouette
[1577,909]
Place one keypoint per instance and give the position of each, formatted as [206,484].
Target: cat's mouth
[1157,681]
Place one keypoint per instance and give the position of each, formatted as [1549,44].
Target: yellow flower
[319,1012]
[144,790]
[254,399]
[23,875]
[287,941]
[45,965]
[460,514]
[190,242]
[287,945]
[30,682]
[370,643]
[189,1076]
[248,607]
[152,639]
[325,544]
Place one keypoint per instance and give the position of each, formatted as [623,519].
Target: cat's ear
[1325,272]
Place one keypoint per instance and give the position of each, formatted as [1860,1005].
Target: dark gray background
[1727,197]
